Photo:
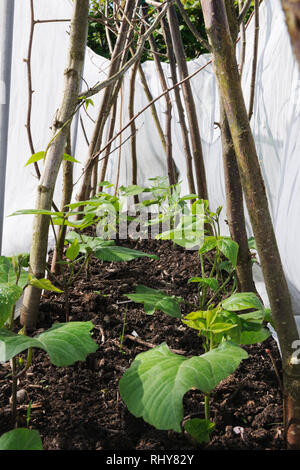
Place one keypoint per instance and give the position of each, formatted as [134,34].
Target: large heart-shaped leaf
[252,328]
[120,253]
[154,386]
[43,284]
[9,294]
[186,239]
[253,333]
[5,267]
[199,429]
[8,274]
[196,320]
[87,242]
[156,300]
[132,190]
[229,248]
[249,327]
[21,439]
[209,244]
[73,250]
[37,212]
[209,282]
[242,301]
[65,343]
[189,232]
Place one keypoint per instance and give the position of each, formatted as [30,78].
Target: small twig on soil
[150,345]
[102,334]
[197,414]
[99,328]
[112,431]
[35,386]
[34,406]
[276,369]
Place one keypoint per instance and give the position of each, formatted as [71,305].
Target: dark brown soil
[79,407]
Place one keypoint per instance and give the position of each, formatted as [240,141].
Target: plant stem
[202,296]
[28,364]
[67,303]
[234,285]
[214,265]
[220,288]
[14,392]
[275,369]
[15,376]
[202,265]
[123,329]
[206,407]
[85,263]
[11,320]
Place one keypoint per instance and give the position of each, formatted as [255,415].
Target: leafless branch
[191,26]
[243,41]
[53,21]
[132,60]
[150,103]
[30,90]
[107,30]
[255,54]
[154,4]
[244,11]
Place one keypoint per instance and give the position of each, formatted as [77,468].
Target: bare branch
[244,11]
[148,106]
[133,139]
[30,90]
[168,112]
[254,64]
[154,4]
[110,46]
[191,26]
[243,40]
[150,103]
[53,21]
[137,55]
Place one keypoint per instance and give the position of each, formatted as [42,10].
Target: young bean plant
[79,247]
[154,385]
[200,229]
[65,343]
